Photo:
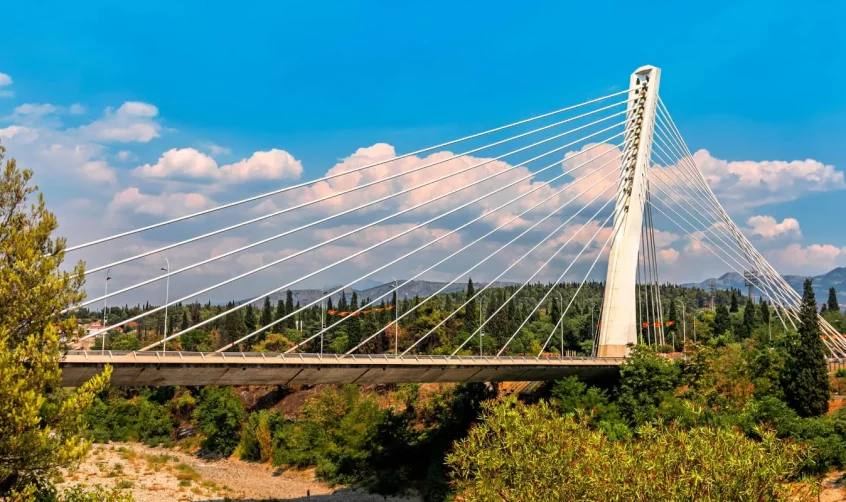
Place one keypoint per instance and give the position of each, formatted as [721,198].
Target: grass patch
[185,472]
[125,484]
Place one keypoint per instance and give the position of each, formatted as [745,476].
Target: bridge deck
[236,368]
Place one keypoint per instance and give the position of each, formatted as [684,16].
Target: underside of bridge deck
[174,368]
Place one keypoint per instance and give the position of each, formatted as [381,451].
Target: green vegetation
[41,424]
[521,452]
[806,378]
[218,415]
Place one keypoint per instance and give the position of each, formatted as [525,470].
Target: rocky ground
[159,474]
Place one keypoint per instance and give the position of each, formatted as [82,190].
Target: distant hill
[407,288]
[835,278]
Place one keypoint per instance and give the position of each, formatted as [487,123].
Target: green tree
[266,312]
[219,415]
[805,379]
[832,300]
[765,312]
[41,423]
[526,453]
[734,306]
[280,310]
[750,320]
[471,311]
[289,307]
[233,324]
[250,318]
[722,321]
[646,379]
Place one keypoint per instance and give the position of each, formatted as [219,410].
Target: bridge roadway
[250,368]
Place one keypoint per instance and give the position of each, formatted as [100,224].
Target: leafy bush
[123,420]
[219,415]
[334,433]
[840,373]
[521,452]
[257,437]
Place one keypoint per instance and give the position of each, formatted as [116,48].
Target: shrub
[219,415]
[840,373]
[257,437]
[521,452]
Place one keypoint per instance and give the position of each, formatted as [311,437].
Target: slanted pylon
[618,327]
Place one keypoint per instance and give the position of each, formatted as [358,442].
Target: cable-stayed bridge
[506,206]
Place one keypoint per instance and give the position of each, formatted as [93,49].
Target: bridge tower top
[618,327]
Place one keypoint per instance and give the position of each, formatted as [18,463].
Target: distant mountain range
[822,283]
[408,289]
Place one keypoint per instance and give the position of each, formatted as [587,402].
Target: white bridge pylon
[618,325]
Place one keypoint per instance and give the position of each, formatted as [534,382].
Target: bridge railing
[334,358]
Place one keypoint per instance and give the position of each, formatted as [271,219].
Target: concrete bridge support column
[618,325]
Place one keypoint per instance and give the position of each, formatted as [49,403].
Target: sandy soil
[158,474]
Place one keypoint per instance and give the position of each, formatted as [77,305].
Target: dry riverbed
[159,474]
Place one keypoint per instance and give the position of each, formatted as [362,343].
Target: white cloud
[35,109]
[132,122]
[76,109]
[796,258]
[167,204]
[270,165]
[768,228]
[20,133]
[184,162]
[746,184]
[5,80]
[215,149]
[98,171]
[668,255]
[125,155]
[190,163]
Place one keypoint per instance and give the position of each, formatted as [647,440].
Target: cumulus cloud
[796,258]
[746,184]
[35,109]
[132,122]
[132,200]
[668,256]
[768,228]
[20,133]
[191,163]
[98,171]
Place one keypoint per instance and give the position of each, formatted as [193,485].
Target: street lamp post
[560,309]
[396,317]
[684,322]
[322,320]
[167,300]
[105,310]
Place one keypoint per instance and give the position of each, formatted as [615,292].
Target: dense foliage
[521,452]
[41,423]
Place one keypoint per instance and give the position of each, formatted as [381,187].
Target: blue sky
[745,80]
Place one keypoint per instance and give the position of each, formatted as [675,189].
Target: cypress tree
[734,306]
[280,310]
[471,310]
[765,312]
[750,321]
[184,325]
[554,311]
[266,312]
[722,321]
[289,307]
[805,377]
[832,300]
[250,318]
